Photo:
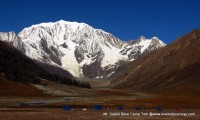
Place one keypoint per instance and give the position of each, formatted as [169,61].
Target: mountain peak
[71,23]
[60,22]
[155,38]
[141,38]
[156,41]
[64,25]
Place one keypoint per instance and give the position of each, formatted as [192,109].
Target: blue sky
[126,19]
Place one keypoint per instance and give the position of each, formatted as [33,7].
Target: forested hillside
[18,67]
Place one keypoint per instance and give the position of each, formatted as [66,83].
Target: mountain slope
[80,49]
[20,68]
[175,66]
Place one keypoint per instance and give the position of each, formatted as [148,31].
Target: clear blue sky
[126,19]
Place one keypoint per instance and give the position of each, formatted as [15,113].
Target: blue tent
[97,107]
[138,108]
[120,107]
[67,107]
[159,108]
[24,104]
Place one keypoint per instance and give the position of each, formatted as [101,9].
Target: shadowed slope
[18,67]
[175,66]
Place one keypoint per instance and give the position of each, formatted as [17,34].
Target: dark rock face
[108,72]
[93,70]
[88,70]
[64,45]
[177,64]
[52,52]
[79,56]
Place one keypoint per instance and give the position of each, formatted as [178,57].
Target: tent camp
[120,108]
[67,107]
[97,107]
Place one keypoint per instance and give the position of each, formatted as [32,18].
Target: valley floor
[54,96]
[59,114]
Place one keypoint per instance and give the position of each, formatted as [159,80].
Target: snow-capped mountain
[140,46]
[79,48]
